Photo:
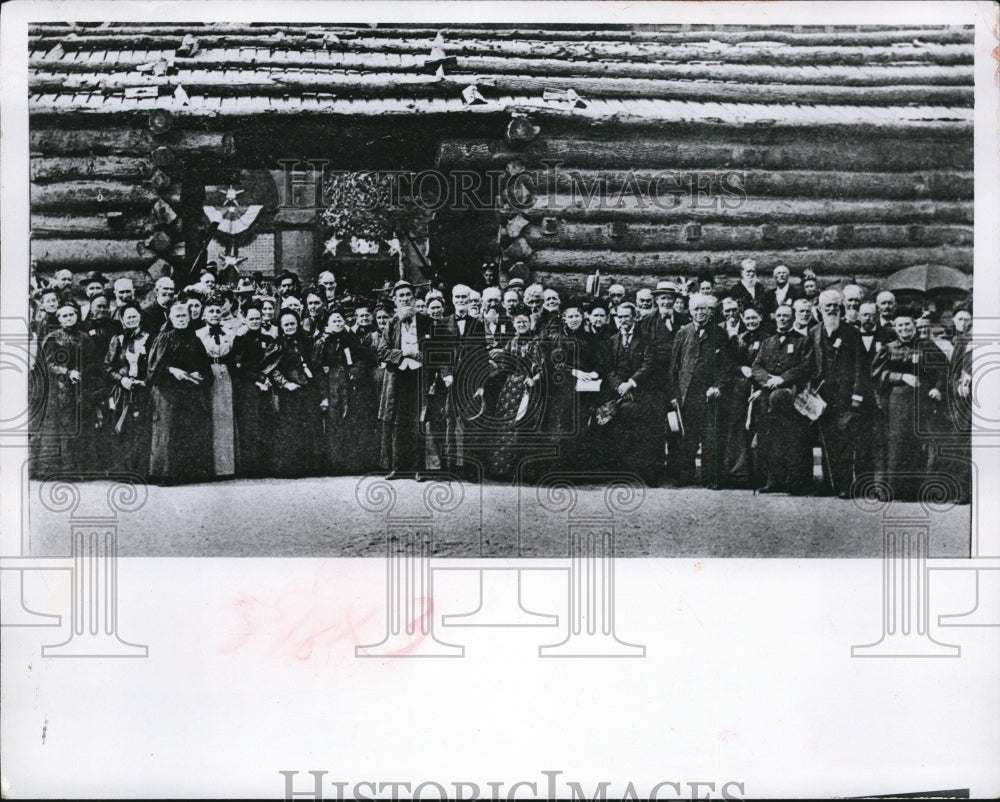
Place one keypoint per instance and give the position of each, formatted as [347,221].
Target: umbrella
[927,278]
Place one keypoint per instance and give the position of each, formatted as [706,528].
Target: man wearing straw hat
[660,329]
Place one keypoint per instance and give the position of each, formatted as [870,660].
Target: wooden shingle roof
[906,77]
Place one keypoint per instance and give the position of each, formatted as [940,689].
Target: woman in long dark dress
[519,365]
[251,394]
[911,388]
[67,443]
[569,356]
[44,321]
[126,367]
[333,354]
[180,374]
[739,462]
[298,430]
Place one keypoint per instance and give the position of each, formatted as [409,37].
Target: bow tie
[215,331]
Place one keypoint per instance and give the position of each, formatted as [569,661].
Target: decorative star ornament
[330,246]
[233,261]
[231,196]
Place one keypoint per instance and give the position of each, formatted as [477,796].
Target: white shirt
[408,341]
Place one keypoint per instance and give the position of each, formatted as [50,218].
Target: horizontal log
[144,35]
[872,261]
[644,237]
[648,209]
[903,123]
[571,284]
[820,75]
[90,195]
[98,226]
[765,52]
[80,254]
[63,169]
[936,184]
[757,150]
[120,141]
[825,74]
[275,83]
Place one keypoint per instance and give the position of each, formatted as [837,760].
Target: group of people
[679,384]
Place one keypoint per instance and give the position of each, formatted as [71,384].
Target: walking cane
[826,459]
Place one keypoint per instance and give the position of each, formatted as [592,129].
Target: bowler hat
[400,285]
[93,276]
[781,401]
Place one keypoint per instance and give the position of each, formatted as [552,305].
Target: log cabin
[642,152]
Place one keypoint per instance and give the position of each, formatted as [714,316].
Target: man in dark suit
[659,330]
[464,339]
[630,364]
[783,293]
[404,351]
[779,370]
[747,292]
[700,365]
[154,316]
[838,366]
[870,445]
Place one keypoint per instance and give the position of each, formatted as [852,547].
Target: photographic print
[500,332]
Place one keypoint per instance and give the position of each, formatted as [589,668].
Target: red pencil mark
[302,624]
[417,627]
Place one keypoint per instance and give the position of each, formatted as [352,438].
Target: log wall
[649,152]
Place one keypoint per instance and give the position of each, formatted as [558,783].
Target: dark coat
[705,361]
[660,334]
[390,353]
[785,355]
[182,417]
[742,296]
[154,318]
[632,363]
[771,298]
[840,362]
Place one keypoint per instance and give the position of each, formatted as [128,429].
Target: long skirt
[362,427]
[253,429]
[906,459]
[132,427]
[67,438]
[181,447]
[504,457]
[223,424]
[298,433]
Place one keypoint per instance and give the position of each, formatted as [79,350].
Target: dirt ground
[349,517]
